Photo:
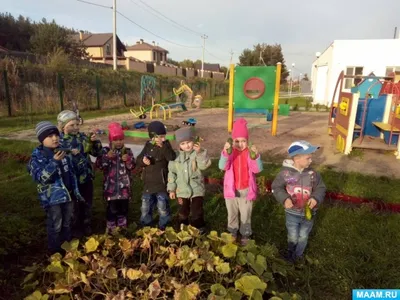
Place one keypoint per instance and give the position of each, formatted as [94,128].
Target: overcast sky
[301,27]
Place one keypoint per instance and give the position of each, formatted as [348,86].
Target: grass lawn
[351,247]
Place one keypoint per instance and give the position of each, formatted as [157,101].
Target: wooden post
[276,99]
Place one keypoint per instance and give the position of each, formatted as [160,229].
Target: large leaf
[71,246]
[197,265]
[72,263]
[223,268]
[218,289]
[247,284]
[111,273]
[233,294]
[154,289]
[84,279]
[241,258]
[227,238]
[184,236]
[108,243]
[55,267]
[260,265]
[125,245]
[193,231]
[229,250]
[188,292]
[257,295]
[171,261]
[171,236]
[213,235]
[133,274]
[91,245]
[60,289]
[37,295]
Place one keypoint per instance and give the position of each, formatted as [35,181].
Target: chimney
[154,43]
[141,41]
[81,35]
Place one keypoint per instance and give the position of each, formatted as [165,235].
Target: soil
[212,127]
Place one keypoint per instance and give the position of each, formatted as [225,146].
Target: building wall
[373,55]
[179,72]
[189,73]
[135,65]
[95,51]
[218,75]
[145,55]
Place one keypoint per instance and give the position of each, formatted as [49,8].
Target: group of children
[62,167]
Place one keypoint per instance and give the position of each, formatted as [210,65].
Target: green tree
[15,33]
[173,62]
[187,63]
[264,54]
[48,37]
[305,77]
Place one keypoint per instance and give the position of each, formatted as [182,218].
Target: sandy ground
[212,127]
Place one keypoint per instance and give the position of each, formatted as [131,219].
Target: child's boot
[110,226]
[122,222]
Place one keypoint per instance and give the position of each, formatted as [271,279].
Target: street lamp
[290,74]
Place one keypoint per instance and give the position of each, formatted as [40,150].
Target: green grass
[13,124]
[351,247]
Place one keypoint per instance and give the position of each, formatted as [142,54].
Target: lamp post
[300,83]
[290,75]
[291,80]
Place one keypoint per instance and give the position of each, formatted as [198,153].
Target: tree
[173,62]
[270,56]
[305,77]
[187,63]
[223,69]
[48,37]
[15,33]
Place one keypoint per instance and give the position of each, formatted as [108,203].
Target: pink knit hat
[115,132]
[240,129]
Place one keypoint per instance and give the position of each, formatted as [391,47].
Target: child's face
[52,141]
[118,143]
[240,143]
[159,139]
[302,161]
[72,127]
[186,146]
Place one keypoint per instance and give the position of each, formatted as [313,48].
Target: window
[353,71]
[391,70]
[108,49]
[154,56]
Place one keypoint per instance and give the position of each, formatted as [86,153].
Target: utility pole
[227,72]
[115,34]
[204,37]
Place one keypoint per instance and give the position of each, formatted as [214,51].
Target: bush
[162,265]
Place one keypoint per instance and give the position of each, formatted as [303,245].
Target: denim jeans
[149,201]
[59,223]
[298,229]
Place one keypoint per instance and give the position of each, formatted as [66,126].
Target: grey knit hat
[184,134]
[64,117]
[44,129]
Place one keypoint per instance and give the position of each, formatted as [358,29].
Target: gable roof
[141,46]
[97,39]
[208,67]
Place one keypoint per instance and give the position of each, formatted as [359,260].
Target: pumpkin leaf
[133,274]
[247,284]
[229,250]
[91,245]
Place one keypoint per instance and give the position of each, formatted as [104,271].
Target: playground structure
[148,88]
[255,90]
[368,117]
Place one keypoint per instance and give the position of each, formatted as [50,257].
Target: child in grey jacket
[301,190]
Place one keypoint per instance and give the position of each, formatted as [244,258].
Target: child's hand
[75,151]
[172,195]
[111,154]
[312,203]
[227,146]
[288,203]
[197,148]
[146,161]
[59,155]
[125,157]
[254,149]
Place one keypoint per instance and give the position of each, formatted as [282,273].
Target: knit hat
[64,117]
[44,129]
[115,132]
[184,134]
[240,129]
[156,127]
[301,147]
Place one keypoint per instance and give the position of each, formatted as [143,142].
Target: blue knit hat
[44,129]
[301,147]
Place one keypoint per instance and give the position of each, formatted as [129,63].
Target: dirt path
[311,126]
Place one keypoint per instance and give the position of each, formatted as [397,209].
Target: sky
[301,27]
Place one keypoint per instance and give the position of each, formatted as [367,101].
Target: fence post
[98,91]
[60,90]
[160,90]
[7,92]
[124,88]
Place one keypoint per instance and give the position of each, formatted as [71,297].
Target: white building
[354,57]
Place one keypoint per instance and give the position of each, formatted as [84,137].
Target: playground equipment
[254,90]
[148,84]
[367,117]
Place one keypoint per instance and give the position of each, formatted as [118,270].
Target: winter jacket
[117,179]
[82,160]
[298,186]
[46,171]
[184,174]
[155,176]
[226,163]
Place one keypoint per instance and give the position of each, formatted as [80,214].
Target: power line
[214,56]
[173,21]
[133,22]
[95,4]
